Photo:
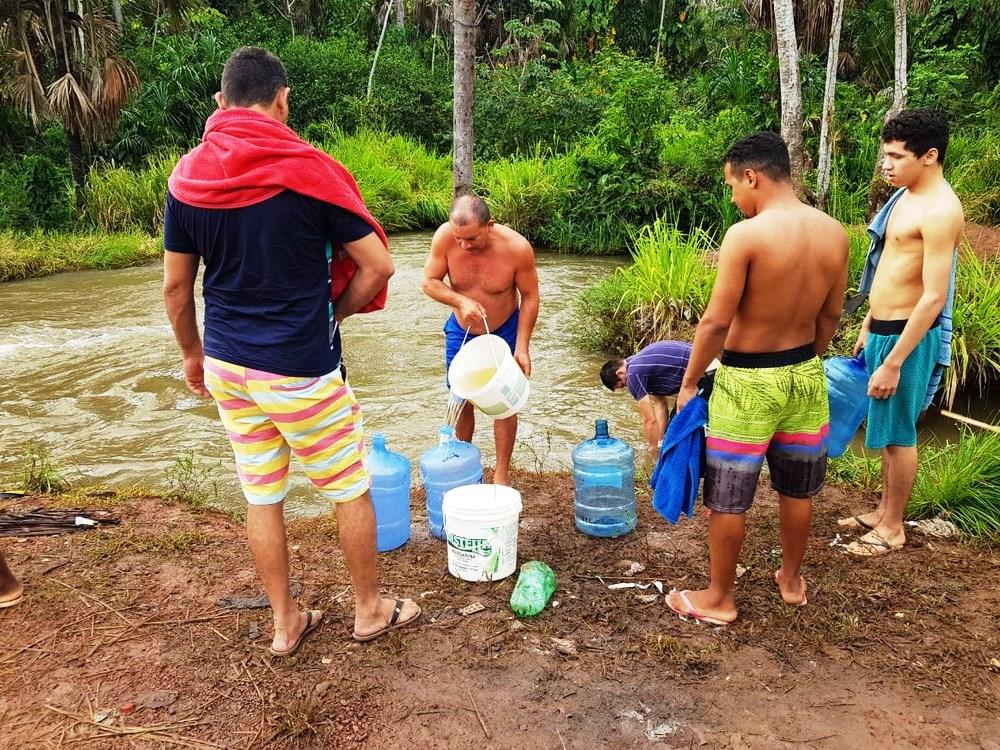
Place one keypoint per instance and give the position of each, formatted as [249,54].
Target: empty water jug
[390,473]
[603,470]
[847,381]
[451,463]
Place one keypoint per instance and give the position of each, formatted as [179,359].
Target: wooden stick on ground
[479,716]
[969,421]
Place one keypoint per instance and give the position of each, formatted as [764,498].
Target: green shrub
[35,193]
[976,318]
[660,295]
[322,75]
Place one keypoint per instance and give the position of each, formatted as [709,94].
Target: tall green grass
[975,349]
[404,185]
[526,192]
[125,200]
[24,256]
[961,480]
[660,295]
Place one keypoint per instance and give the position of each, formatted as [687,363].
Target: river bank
[896,652]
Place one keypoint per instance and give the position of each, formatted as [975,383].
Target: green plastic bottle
[535,586]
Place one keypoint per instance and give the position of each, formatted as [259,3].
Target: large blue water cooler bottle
[604,473]
[390,473]
[451,463]
[847,381]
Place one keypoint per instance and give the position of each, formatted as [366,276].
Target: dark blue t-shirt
[267,279]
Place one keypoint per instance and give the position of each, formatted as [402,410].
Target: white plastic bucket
[485,372]
[480,524]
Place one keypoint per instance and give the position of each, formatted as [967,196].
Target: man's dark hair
[469,208]
[609,373]
[252,76]
[763,152]
[919,130]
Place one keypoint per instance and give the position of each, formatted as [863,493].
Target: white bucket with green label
[480,524]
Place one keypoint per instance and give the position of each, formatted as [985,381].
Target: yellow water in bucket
[484,372]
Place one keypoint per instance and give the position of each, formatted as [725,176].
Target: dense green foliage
[634,135]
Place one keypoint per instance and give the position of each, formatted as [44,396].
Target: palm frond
[71,103]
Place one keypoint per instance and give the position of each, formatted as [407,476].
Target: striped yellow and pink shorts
[269,417]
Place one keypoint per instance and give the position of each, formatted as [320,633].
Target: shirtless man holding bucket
[492,283]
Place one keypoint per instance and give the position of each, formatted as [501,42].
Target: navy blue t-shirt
[267,279]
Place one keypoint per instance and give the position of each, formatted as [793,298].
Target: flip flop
[5,603]
[394,622]
[872,545]
[311,625]
[692,612]
[854,522]
[804,601]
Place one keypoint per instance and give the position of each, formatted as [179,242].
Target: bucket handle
[487,327]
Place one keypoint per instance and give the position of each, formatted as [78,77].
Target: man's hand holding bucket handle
[470,313]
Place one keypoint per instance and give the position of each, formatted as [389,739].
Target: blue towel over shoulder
[679,469]
[876,233]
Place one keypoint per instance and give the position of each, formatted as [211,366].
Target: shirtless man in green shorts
[901,335]
[776,302]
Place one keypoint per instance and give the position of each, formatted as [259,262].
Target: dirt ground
[984,240]
[119,642]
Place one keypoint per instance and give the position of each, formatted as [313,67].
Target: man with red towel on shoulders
[290,251]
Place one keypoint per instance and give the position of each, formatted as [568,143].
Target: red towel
[246,157]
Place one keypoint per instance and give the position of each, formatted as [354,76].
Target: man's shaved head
[469,209]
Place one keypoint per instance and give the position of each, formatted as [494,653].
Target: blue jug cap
[446,434]
[601,430]
[378,441]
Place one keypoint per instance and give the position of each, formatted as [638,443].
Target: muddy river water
[89,369]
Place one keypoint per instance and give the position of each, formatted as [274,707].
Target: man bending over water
[492,282]
[902,334]
[775,305]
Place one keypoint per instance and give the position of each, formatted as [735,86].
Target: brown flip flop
[311,625]
[394,622]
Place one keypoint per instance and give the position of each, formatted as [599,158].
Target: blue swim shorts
[454,335]
[893,420]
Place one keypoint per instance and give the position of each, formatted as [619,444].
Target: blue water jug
[603,469]
[451,463]
[390,472]
[847,381]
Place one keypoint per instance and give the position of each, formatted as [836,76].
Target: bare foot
[703,606]
[286,639]
[392,613]
[792,593]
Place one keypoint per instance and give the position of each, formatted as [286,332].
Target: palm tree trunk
[879,190]
[791,92]
[825,135]
[464,18]
[116,10]
[400,14]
